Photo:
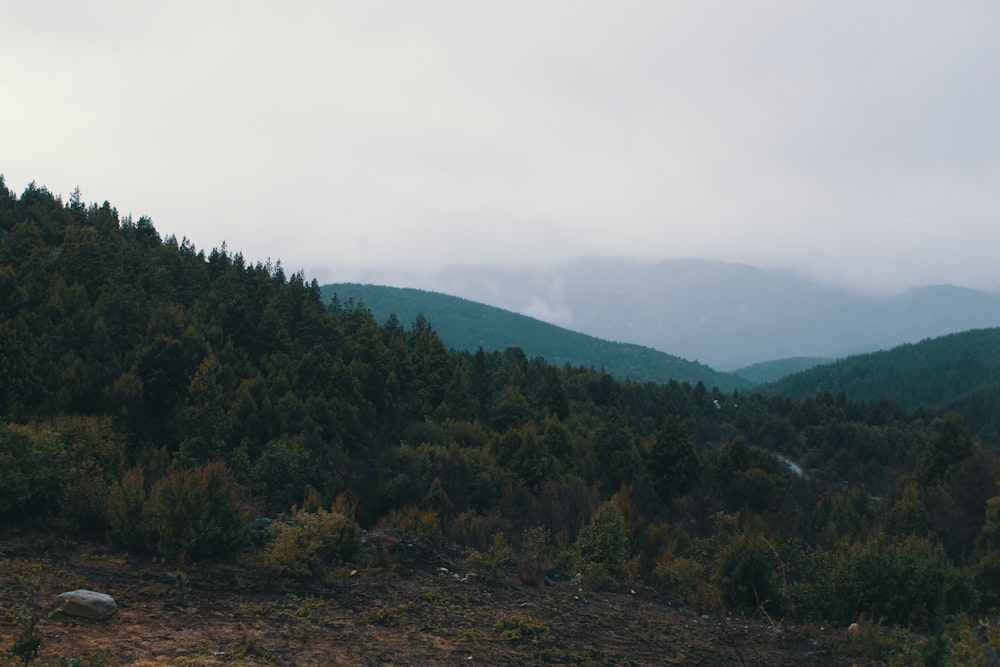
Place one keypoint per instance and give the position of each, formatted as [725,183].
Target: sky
[856,142]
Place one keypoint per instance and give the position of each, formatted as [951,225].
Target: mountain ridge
[726,315]
[467,325]
[929,373]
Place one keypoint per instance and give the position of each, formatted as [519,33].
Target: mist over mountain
[725,315]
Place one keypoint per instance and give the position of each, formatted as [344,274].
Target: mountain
[932,372]
[722,314]
[467,325]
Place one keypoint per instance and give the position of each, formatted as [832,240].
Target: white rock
[88,604]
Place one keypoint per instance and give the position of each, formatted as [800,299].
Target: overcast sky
[858,142]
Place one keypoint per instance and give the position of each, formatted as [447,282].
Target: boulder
[88,604]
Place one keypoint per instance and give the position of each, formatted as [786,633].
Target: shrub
[29,472]
[602,543]
[745,571]
[688,579]
[282,473]
[904,581]
[489,564]
[425,524]
[91,456]
[125,510]
[194,514]
[534,551]
[521,626]
[310,541]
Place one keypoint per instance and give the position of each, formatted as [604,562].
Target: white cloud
[392,133]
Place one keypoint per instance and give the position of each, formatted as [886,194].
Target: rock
[88,604]
[260,524]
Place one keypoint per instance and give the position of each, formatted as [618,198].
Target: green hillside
[932,372]
[467,325]
[770,371]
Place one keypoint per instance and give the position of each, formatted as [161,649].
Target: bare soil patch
[428,612]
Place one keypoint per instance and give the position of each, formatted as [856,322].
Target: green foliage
[673,461]
[687,578]
[282,473]
[489,564]
[534,553]
[927,373]
[602,547]
[27,642]
[92,455]
[521,626]
[126,510]
[29,472]
[988,554]
[63,468]
[310,542]
[94,659]
[182,588]
[196,513]
[755,478]
[250,645]
[746,571]
[848,513]
[903,580]
[951,445]
[424,523]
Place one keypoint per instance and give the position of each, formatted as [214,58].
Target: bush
[534,552]
[905,581]
[688,579]
[194,514]
[29,472]
[309,542]
[91,457]
[745,570]
[521,626]
[282,473]
[601,548]
[126,501]
[425,524]
[489,564]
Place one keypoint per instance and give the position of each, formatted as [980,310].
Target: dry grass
[238,615]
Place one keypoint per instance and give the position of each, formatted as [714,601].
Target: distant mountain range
[728,316]
[466,325]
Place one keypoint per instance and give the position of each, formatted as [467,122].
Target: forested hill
[156,396]
[467,325]
[929,373]
[771,371]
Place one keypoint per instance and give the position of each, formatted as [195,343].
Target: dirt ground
[427,611]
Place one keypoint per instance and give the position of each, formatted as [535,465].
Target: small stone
[88,604]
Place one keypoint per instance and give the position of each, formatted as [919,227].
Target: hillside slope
[467,325]
[929,373]
[772,371]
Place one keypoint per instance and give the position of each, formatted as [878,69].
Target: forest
[162,397]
